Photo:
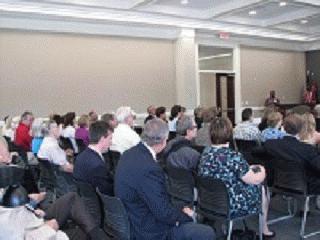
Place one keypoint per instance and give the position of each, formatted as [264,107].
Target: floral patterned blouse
[229,166]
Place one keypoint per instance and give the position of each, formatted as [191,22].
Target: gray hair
[183,124]
[123,113]
[155,132]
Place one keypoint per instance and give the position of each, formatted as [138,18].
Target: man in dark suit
[291,148]
[140,184]
[90,166]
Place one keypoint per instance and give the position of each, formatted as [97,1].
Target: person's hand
[53,224]
[68,168]
[38,197]
[39,213]
[188,211]
[69,152]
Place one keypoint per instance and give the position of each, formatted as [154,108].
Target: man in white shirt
[124,137]
[50,149]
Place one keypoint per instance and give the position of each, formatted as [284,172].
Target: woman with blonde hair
[308,133]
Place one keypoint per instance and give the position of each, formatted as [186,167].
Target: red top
[22,137]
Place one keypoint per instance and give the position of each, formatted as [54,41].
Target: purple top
[83,134]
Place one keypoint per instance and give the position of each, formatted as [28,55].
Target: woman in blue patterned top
[273,130]
[242,181]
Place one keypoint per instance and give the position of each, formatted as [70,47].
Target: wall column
[186,73]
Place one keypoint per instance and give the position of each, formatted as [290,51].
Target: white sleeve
[44,232]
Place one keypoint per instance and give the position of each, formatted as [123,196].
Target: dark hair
[246,114]
[57,118]
[220,130]
[25,114]
[107,117]
[175,111]
[293,124]
[97,130]
[160,110]
[69,118]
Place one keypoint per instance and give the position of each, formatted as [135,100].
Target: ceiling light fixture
[282,4]
[253,12]
[304,21]
[184,2]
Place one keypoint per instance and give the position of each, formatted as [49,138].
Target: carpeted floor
[288,229]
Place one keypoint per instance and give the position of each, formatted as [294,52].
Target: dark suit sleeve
[154,194]
[101,180]
[314,159]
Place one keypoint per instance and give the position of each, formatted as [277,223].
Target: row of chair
[289,179]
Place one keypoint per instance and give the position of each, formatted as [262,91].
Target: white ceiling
[298,20]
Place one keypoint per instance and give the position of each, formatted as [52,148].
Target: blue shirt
[35,144]
[271,133]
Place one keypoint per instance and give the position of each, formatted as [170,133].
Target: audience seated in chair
[20,222]
[90,166]
[82,131]
[22,135]
[203,136]
[151,113]
[50,149]
[198,116]
[273,131]
[243,181]
[178,152]
[124,137]
[69,130]
[175,114]
[308,132]
[246,130]
[38,130]
[291,147]
[110,119]
[161,113]
[140,184]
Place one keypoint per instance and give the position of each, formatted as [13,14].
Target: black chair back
[138,129]
[48,178]
[10,175]
[213,198]
[289,176]
[172,135]
[91,200]
[116,221]
[180,185]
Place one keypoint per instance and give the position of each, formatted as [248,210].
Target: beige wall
[207,89]
[263,70]
[58,72]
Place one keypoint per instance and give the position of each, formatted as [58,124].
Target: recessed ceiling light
[253,12]
[304,21]
[282,4]
[184,2]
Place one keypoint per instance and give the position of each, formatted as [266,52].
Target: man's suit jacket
[89,167]
[140,184]
[291,148]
